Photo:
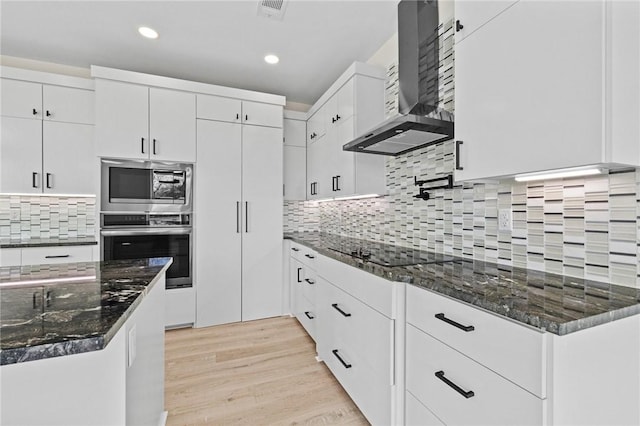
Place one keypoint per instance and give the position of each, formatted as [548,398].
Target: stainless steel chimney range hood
[420,122]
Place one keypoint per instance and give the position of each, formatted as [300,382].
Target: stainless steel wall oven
[142,235]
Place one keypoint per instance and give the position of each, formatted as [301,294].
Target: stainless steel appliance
[420,121]
[145,186]
[142,235]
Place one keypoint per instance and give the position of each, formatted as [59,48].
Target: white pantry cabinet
[146,123]
[238,223]
[351,106]
[545,85]
[295,158]
[238,111]
[42,126]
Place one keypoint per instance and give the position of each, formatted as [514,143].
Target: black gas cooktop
[387,255]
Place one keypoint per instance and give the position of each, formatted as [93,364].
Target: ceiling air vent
[273,9]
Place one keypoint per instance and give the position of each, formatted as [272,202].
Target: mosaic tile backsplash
[583,227]
[24,217]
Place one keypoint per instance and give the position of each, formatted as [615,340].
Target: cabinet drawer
[368,389]
[306,316]
[416,414]
[308,257]
[490,399]
[309,284]
[296,251]
[370,289]
[58,254]
[10,257]
[361,328]
[511,350]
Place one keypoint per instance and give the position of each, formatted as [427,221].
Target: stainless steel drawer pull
[309,281]
[466,394]
[345,364]
[58,256]
[307,313]
[467,328]
[335,306]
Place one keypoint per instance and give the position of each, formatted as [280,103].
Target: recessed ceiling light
[271,59]
[148,32]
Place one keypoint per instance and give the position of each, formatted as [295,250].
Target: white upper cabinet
[238,111]
[295,159]
[43,126]
[316,126]
[548,85]
[261,114]
[138,122]
[26,99]
[172,125]
[219,108]
[472,14]
[69,105]
[122,120]
[21,99]
[354,104]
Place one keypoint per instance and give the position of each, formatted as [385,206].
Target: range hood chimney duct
[420,122]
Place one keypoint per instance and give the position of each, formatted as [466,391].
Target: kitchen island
[82,343]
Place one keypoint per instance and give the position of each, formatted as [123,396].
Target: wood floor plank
[254,373]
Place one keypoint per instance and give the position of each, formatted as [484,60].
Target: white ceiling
[218,42]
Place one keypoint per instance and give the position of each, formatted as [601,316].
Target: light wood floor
[254,373]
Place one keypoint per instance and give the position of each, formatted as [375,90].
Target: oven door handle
[145,231]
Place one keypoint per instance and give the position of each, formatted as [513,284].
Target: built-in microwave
[146,186]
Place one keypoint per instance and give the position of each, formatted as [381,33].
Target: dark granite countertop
[556,303]
[54,310]
[47,242]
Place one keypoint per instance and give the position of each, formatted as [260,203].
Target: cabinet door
[510,90]
[21,155]
[344,160]
[295,172]
[218,227]
[21,99]
[316,126]
[346,99]
[294,132]
[260,114]
[68,104]
[318,169]
[473,14]
[172,125]
[122,120]
[10,256]
[218,108]
[330,112]
[69,161]
[262,237]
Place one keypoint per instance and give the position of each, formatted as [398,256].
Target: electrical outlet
[504,220]
[15,214]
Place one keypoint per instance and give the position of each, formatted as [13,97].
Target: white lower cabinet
[180,309]
[356,341]
[57,254]
[10,257]
[303,281]
[419,415]
[461,391]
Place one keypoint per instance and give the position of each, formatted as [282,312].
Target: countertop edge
[78,346]
[534,322]
[62,243]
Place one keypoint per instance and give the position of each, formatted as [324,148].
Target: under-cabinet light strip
[558,174]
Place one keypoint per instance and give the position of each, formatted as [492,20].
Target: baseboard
[163,418]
